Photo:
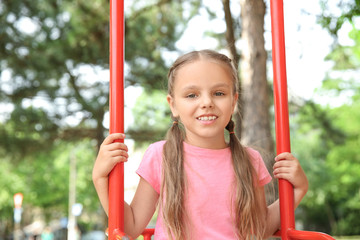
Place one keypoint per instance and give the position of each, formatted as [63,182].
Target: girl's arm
[139,212]
[286,167]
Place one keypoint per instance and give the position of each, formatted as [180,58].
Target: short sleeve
[264,176]
[150,166]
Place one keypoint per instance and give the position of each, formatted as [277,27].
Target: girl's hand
[110,153]
[288,167]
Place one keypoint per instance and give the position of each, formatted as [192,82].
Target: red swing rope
[286,191]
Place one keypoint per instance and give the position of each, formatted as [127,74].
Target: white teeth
[207,118]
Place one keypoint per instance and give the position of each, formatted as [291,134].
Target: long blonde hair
[249,217]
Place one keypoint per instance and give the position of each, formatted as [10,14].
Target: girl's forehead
[205,61]
[204,70]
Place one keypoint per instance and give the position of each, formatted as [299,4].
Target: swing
[116,177]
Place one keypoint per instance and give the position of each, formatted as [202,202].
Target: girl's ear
[171,103]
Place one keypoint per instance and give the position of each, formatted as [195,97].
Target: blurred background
[54,60]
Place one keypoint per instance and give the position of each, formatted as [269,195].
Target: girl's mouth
[206,118]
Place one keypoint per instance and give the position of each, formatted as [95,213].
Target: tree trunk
[230,39]
[256,130]
[255,92]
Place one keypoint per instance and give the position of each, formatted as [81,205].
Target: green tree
[56,67]
[332,20]
[152,116]
[43,178]
[54,83]
[313,135]
[327,140]
[329,143]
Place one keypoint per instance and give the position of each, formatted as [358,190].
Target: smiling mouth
[206,118]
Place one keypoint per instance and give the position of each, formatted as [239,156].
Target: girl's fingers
[285,160]
[285,173]
[111,152]
[119,153]
[112,159]
[284,163]
[112,137]
[286,176]
[116,146]
[119,159]
[288,167]
[284,156]
[282,169]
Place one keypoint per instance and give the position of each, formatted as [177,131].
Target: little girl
[205,187]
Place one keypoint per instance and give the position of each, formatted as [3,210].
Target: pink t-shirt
[210,182]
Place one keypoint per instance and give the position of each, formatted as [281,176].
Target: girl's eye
[219,94]
[192,95]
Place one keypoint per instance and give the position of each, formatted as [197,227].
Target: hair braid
[173,182]
[248,219]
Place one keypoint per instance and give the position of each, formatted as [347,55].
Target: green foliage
[152,116]
[55,64]
[53,70]
[347,57]
[328,144]
[150,32]
[43,178]
[28,130]
[344,162]
[328,147]
[45,45]
[334,20]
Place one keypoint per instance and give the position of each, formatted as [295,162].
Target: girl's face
[203,98]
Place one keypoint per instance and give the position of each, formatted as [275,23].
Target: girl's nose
[207,102]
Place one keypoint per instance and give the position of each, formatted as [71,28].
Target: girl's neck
[207,143]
